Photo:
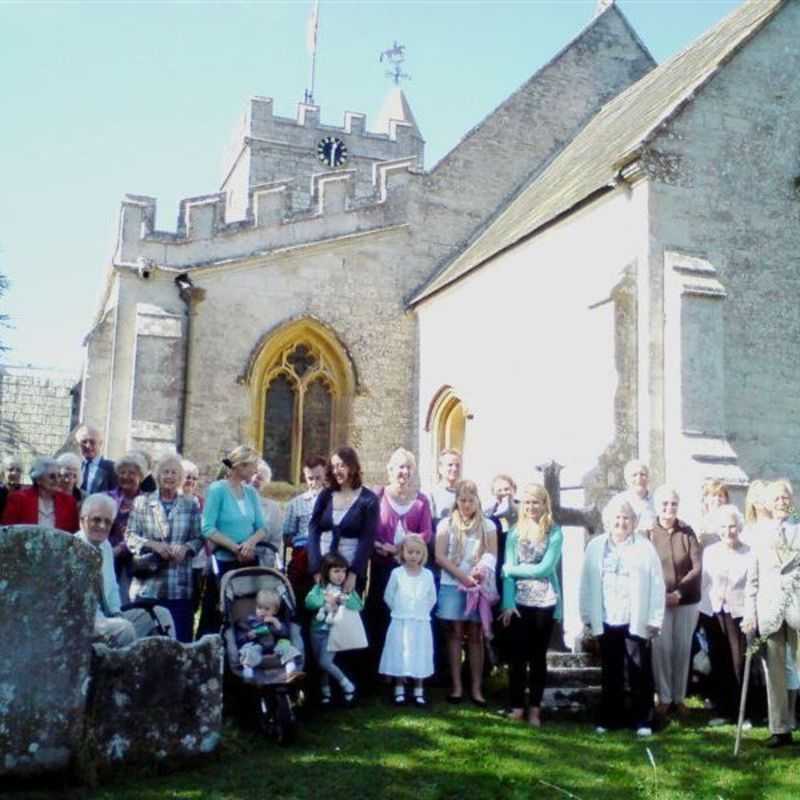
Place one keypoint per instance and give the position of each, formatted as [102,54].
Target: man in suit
[97,473]
[772,606]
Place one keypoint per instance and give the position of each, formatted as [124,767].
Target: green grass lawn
[445,752]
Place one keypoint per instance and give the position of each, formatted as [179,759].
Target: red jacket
[22,508]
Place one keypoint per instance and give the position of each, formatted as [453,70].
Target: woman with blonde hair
[531,598]
[464,540]
[403,509]
[756,511]
[715,495]
[233,518]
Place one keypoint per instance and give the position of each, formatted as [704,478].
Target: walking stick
[743,700]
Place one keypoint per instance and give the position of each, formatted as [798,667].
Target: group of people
[652,586]
[399,558]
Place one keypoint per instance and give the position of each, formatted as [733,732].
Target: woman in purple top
[402,510]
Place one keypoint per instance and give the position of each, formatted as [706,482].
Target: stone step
[571,660]
[573,701]
[574,677]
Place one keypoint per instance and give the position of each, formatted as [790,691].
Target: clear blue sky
[104,98]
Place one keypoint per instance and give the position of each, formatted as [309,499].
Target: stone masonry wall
[520,137]
[352,288]
[35,411]
[724,190]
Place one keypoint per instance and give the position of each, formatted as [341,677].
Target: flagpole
[313,28]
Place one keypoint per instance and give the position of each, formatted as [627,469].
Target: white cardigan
[647,591]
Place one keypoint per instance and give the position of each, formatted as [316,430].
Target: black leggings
[624,654]
[530,636]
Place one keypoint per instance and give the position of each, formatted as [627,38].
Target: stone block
[155,700]
[46,625]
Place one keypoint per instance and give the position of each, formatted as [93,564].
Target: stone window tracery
[301,383]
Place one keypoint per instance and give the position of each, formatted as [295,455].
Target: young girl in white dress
[411,596]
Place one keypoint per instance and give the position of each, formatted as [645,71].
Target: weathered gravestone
[46,623]
[155,700]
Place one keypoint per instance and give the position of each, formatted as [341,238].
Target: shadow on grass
[376,751]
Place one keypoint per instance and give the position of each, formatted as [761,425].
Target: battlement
[260,122]
[203,235]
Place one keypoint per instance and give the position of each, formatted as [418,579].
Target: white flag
[313,27]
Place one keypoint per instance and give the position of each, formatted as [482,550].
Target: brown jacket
[681,559]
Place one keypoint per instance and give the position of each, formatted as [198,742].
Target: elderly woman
[10,479]
[622,603]
[725,567]
[531,599]
[69,475]
[772,606]
[191,478]
[130,470]
[637,493]
[465,541]
[273,516]
[344,520]
[167,526]
[43,503]
[402,509]
[681,559]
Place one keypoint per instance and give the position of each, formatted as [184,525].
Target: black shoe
[479,703]
[455,699]
[779,740]
[420,701]
[400,699]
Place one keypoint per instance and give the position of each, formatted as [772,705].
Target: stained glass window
[298,411]
[317,414]
[278,427]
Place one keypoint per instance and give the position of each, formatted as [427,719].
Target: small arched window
[447,422]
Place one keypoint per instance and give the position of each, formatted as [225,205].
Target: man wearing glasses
[97,516]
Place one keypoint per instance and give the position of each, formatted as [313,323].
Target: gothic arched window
[302,385]
[298,410]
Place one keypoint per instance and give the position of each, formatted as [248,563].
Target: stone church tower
[276,313]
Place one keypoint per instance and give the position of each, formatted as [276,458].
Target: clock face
[332,152]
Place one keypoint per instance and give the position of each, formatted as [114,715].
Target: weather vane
[395,56]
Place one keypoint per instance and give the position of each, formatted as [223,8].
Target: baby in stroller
[264,639]
[259,618]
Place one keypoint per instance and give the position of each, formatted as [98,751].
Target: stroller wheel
[265,722]
[285,721]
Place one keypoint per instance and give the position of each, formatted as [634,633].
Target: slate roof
[592,160]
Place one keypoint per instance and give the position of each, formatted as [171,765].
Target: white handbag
[347,631]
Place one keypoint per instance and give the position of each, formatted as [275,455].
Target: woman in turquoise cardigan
[531,599]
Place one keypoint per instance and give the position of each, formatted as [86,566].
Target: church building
[606,266]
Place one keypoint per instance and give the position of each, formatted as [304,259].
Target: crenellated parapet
[203,235]
[260,122]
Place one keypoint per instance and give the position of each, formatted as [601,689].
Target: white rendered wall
[533,364]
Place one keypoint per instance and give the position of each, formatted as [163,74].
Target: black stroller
[269,692]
